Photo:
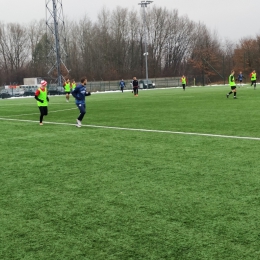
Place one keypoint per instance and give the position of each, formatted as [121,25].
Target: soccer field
[165,175]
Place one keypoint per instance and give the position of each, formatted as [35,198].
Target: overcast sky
[232,19]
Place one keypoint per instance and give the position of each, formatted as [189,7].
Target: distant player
[183,82]
[73,84]
[67,89]
[135,86]
[240,78]
[232,84]
[253,78]
[42,100]
[79,93]
[122,85]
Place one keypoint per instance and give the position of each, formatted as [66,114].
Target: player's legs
[67,96]
[234,90]
[183,86]
[43,112]
[82,110]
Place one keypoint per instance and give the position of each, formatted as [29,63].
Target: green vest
[231,80]
[42,96]
[67,87]
[73,86]
[183,80]
[253,77]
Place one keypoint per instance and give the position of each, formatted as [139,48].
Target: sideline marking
[55,111]
[138,129]
[27,104]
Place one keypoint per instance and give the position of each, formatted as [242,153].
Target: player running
[253,78]
[79,93]
[183,82]
[42,100]
[67,89]
[232,84]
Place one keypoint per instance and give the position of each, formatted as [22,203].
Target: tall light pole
[56,39]
[144,4]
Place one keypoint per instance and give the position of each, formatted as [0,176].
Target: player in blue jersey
[122,85]
[79,93]
[240,78]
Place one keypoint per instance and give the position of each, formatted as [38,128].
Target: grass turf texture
[93,193]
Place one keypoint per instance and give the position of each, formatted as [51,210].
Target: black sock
[41,118]
[230,92]
[235,94]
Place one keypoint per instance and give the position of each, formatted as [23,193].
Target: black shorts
[67,92]
[253,81]
[233,87]
[43,110]
[240,80]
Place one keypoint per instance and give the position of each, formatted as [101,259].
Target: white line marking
[139,129]
[55,111]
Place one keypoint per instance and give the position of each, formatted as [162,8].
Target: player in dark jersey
[79,93]
[240,78]
[135,86]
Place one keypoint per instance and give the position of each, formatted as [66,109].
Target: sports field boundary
[138,129]
[54,111]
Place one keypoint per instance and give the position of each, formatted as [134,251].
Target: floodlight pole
[55,32]
[57,43]
[144,4]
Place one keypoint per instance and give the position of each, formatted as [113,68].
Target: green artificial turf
[100,193]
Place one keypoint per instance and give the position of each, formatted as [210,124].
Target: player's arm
[37,93]
[88,94]
[75,92]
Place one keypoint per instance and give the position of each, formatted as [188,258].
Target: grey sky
[232,19]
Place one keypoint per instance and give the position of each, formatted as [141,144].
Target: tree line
[112,48]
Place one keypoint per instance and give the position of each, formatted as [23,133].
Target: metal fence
[114,85]
[97,86]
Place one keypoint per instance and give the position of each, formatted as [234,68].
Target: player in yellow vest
[183,82]
[232,84]
[253,79]
[73,84]
[41,96]
[67,89]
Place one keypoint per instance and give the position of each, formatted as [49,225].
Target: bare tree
[14,50]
